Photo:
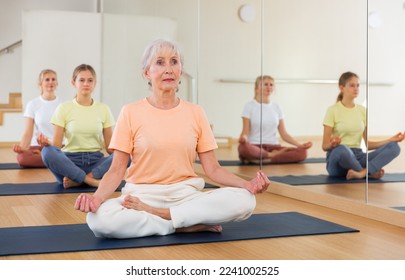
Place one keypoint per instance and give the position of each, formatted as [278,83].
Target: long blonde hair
[81,68]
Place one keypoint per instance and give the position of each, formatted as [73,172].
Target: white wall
[124,40]
[76,39]
[184,12]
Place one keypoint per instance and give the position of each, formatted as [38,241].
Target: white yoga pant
[188,204]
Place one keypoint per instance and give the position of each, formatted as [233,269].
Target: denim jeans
[342,158]
[75,166]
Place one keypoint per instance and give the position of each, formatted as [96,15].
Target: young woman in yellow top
[86,125]
[345,126]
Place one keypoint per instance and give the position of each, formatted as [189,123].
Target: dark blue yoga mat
[402,208]
[240,163]
[5,166]
[326,179]
[45,188]
[78,237]
[52,188]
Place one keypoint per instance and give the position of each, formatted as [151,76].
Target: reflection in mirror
[386,43]
[306,49]
[230,48]
[304,46]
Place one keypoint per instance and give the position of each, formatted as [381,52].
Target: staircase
[14,105]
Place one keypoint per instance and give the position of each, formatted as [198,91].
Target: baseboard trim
[7,144]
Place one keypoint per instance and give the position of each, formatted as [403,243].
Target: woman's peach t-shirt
[163,144]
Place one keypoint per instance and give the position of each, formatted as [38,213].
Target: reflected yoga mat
[326,179]
[238,162]
[53,188]
[402,208]
[78,237]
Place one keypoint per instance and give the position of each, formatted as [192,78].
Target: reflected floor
[381,194]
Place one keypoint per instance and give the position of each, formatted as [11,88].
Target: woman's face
[351,88]
[165,71]
[49,82]
[266,87]
[85,82]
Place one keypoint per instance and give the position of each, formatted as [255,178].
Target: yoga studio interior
[304,45]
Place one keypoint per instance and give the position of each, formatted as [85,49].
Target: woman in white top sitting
[38,115]
[261,117]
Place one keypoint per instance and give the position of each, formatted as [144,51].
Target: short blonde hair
[154,47]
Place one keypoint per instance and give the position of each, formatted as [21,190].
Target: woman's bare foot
[352,174]
[378,175]
[274,153]
[133,202]
[68,183]
[91,181]
[201,227]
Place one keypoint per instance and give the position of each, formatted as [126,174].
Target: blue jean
[75,166]
[342,158]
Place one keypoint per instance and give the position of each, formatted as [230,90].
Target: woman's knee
[246,202]
[342,149]
[101,225]
[301,154]
[49,152]
[394,148]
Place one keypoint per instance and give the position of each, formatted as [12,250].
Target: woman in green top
[86,126]
[344,127]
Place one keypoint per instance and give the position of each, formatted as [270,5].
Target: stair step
[14,105]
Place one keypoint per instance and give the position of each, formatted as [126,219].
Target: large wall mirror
[386,43]
[304,45]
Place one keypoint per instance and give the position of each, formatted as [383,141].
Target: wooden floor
[375,241]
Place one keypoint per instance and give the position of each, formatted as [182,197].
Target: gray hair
[154,47]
